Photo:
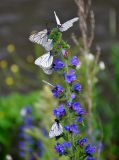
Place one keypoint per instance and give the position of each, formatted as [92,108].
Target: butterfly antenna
[48,83]
[57,19]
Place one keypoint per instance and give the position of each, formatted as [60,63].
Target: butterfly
[56,129]
[42,39]
[65,26]
[45,62]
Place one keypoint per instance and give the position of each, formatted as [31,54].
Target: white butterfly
[42,38]
[56,129]
[45,62]
[65,26]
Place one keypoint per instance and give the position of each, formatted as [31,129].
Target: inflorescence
[30,148]
[69,113]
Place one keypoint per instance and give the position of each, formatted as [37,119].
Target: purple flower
[58,64]
[67,144]
[77,87]
[90,149]
[21,153]
[39,144]
[39,154]
[82,141]
[73,128]
[68,104]
[60,149]
[31,157]
[90,158]
[79,119]
[100,146]
[29,150]
[44,132]
[70,77]
[60,112]
[26,110]
[80,111]
[57,90]
[76,106]
[72,96]
[67,128]
[75,61]
[21,144]
[29,121]
[40,148]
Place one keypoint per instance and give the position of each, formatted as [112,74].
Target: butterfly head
[57,121]
[51,53]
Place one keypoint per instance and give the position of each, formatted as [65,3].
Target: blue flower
[58,64]
[57,90]
[80,111]
[90,158]
[60,112]
[100,145]
[39,154]
[39,144]
[40,148]
[44,132]
[21,134]
[72,96]
[26,111]
[29,150]
[21,145]
[29,121]
[70,77]
[21,153]
[82,141]
[67,128]
[90,149]
[60,148]
[79,119]
[75,61]
[67,144]
[68,104]
[76,106]
[73,128]
[31,157]
[77,87]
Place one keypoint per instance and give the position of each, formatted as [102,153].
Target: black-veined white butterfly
[65,26]
[42,38]
[56,129]
[45,61]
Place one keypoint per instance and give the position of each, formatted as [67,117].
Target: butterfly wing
[45,61]
[48,45]
[55,130]
[65,26]
[39,37]
[57,19]
[48,71]
[42,39]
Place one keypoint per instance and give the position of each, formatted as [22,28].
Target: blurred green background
[21,81]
